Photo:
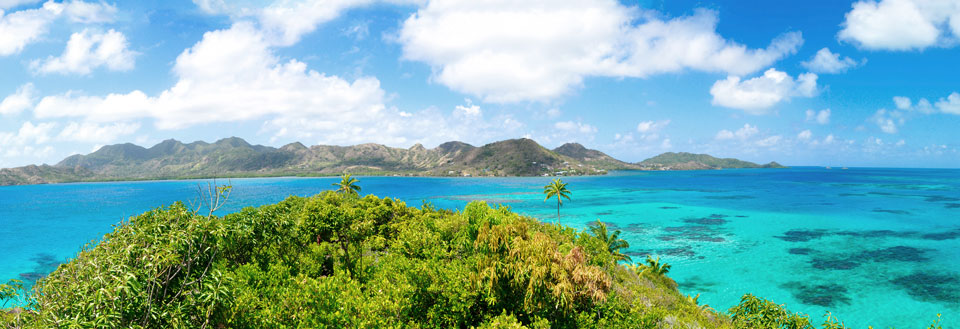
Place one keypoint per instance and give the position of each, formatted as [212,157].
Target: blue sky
[839,83]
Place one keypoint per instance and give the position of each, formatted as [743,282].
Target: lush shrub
[337,260]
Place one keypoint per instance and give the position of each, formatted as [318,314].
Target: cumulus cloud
[28,134]
[577,126]
[88,50]
[508,51]
[651,126]
[888,121]
[6,4]
[951,104]
[757,95]
[20,28]
[468,110]
[286,21]
[95,133]
[827,62]
[231,75]
[20,101]
[901,24]
[805,135]
[821,117]
[743,133]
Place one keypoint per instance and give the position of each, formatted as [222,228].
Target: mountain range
[234,157]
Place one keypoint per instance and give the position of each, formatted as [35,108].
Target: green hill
[234,157]
[340,261]
[690,161]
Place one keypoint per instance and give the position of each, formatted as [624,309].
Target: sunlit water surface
[875,247]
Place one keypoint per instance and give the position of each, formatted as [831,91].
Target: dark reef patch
[692,233]
[878,234]
[885,255]
[636,228]
[802,235]
[940,198]
[696,284]
[827,295]
[669,207]
[610,226]
[683,251]
[834,264]
[729,197]
[741,216]
[605,213]
[851,194]
[800,251]
[952,206]
[931,287]
[892,211]
[705,220]
[45,264]
[896,254]
[949,235]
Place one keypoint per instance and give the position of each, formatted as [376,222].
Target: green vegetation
[348,185]
[235,158]
[336,260]
[690,161]
[613,241]
[558,189]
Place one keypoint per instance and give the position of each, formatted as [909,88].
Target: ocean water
[875,247]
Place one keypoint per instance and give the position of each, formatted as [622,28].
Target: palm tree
[656,267]
[348,185]
[558,189]
[613,241]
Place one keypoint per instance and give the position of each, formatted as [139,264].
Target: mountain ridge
[235,157]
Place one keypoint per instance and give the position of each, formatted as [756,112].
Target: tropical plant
[654,266]
[558,189]
[348,185]
[613,242]
[758,313]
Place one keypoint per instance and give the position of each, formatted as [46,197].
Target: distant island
[234,157]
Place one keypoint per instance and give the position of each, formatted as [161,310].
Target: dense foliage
[337,260]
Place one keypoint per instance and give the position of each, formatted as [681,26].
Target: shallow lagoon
[876,247]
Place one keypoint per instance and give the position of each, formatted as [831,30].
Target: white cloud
[20,28]
[757,95]
[469,110]
[829,139]
[651,126]
[231,75]
[20,101]
[284,22]
[94,133]
[951,104]
[888,121]
[88,50]
[805,135]
[508,51]
[572,126]
[769,141]
[827,62]
[901,24]
[6,4]
[903,103]
[28,134]
[553,112]
[821,117]
[743,133]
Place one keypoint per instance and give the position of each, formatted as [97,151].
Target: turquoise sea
[875,247]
